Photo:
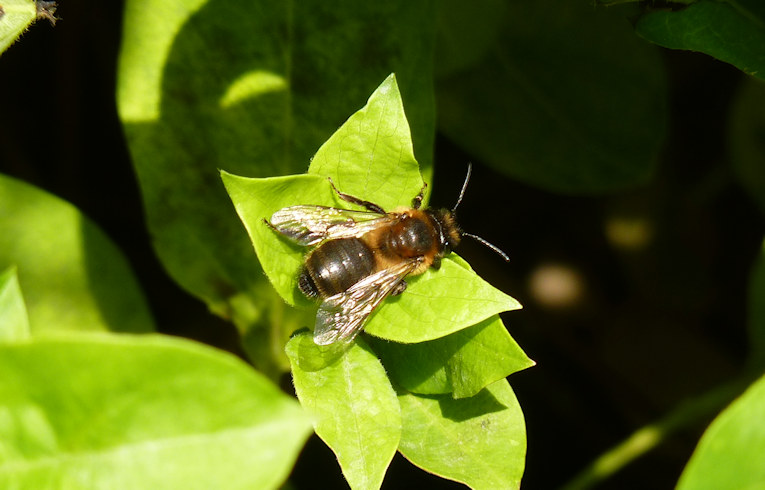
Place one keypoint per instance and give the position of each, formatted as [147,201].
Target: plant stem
[650,436]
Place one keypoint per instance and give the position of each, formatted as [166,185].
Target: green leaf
[15,17]
[566,98]
[455,51]
[731,32]
[355,409]
[108,411]
[257,101]
[374,139]
[746,137]
[258,199]
[72,275]
[462,363]
[490,355]
[14,323]
[729,454]
[479,441]
[439,303]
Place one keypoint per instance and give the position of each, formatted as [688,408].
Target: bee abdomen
[335,266]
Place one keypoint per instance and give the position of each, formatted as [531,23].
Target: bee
[362,257]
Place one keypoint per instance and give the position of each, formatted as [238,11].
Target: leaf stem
[691,412]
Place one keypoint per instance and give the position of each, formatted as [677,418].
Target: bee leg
[417,201]
[399,288]
[355,200]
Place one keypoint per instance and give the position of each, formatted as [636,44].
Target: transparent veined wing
[310,225]
[342,316]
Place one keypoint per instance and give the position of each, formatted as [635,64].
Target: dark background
[647,328]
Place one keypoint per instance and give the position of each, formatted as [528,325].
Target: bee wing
[309,225]
[342,316]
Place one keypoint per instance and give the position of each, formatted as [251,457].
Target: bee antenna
[490,245]
[464,186]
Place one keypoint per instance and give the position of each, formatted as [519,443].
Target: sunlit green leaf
[439,303]
[15,17]
[355,409]
[72,275]
[109,411]
[462,363]
[731,32]
[479,441]
[14,323]
[256,200]
[729,454]
[372,153]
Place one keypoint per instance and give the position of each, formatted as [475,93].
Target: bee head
[449,232]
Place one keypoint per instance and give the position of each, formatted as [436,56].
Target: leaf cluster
[441,344]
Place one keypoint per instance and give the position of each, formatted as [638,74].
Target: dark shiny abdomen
[335,266]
